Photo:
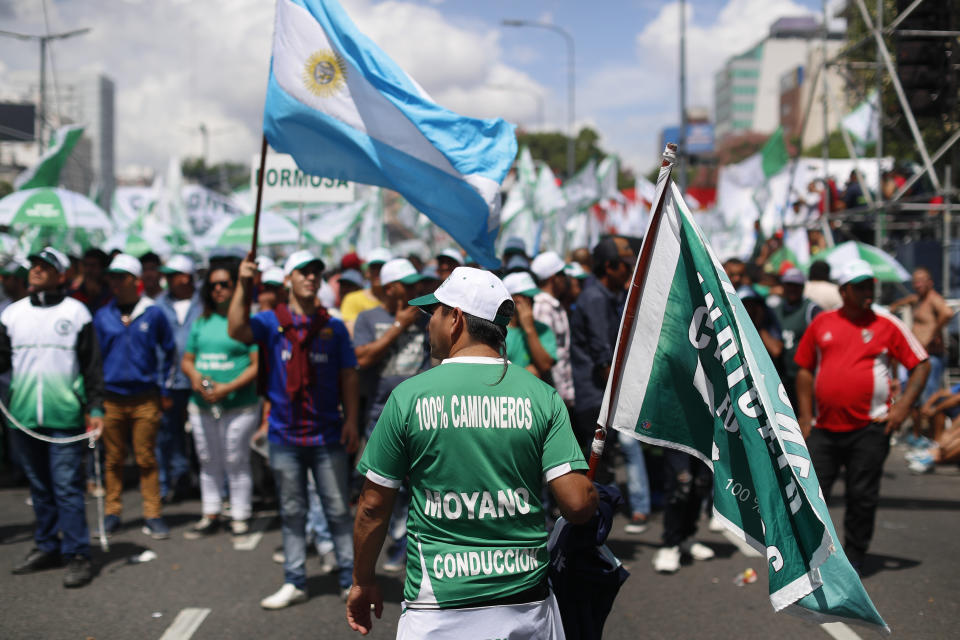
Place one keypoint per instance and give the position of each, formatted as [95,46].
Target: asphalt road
[209,589]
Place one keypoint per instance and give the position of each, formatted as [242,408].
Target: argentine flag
[343,109]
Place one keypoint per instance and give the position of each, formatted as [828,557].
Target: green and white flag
[46,173]
[696,377]
[863,123]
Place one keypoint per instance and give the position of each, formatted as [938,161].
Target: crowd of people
[193,367]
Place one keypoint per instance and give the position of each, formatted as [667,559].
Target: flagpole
[256,212]
[630,310]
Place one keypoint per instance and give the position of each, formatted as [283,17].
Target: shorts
[531,621]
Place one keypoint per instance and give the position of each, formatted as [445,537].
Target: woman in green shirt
[223,409]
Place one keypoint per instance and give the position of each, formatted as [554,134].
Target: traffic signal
[926,65]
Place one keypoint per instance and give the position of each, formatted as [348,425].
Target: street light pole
[41,106]
[571,83]
[682,138]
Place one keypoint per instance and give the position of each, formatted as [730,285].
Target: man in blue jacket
[131,330]
[181,305]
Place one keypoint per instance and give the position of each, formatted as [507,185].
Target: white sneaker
[697,550]
[328,563]
[715,525]
[239,527]
[286,596]
[667,560]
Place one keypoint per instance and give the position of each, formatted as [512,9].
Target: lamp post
[571,142]
[41,115]
[682,146]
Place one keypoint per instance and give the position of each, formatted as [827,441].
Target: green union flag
[696,377]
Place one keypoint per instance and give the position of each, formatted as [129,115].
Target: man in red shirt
[851,349]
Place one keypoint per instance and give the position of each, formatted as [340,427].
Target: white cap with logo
[298,260]
[54,258]
[473,291]
[399,270]
[125,263]
[547,264]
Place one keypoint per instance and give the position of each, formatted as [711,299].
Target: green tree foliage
[551,147]
[223,177]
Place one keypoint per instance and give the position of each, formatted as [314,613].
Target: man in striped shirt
[845,359]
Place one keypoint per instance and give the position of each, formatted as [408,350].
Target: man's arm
[805,400]
[902,302]
[773,344]
[373,352]
[539,356]
[369,530]
[576,497]
[91,367]
[915,384]
[6,351]
[943,313]
[238,314]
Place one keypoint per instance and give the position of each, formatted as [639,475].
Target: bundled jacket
[130,361]
[49,342]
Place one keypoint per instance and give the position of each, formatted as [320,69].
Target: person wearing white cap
[844,359]
[794,313]
[132,329]
[447,261]
[49,346]
[550,271]
[182,306]
[352,304]
[308,373]
[391,343]
[461,434]
[530,344]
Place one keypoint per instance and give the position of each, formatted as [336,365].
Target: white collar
[474,360]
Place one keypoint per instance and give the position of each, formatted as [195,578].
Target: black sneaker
[37,560]
[203,527]
[79,572]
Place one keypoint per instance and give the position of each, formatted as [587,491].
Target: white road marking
[839,631]
[250,541]
[742,545]
[185,624]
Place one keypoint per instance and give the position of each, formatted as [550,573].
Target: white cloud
[635,99]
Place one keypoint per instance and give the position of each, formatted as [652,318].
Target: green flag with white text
[46,173]
[696,377]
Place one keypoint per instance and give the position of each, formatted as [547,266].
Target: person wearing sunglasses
[223,407]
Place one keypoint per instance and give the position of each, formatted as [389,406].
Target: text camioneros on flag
[696,377]
[343,109]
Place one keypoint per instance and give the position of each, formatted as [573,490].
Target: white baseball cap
[125,263]
[576,270]
[179,264]
[264,263]
[547,264]
[54,258]
[854,272]
[399,270]
[520,284]
[298,260]
[273,275]
[379,256]
[474,291]
[453,254]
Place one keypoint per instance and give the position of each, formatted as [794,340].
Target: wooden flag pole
[256,212]
[630,312]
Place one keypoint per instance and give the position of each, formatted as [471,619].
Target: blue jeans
[329,467]
[56,475]
[172,463]
[638,484]
[318,531]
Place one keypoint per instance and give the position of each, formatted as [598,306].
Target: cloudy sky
[180,63]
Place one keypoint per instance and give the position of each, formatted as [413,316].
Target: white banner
[285,182]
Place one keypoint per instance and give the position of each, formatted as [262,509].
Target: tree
[223,177]
[551,147]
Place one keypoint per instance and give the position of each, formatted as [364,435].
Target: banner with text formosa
[696,377]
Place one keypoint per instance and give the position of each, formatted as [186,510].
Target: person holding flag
[475,439]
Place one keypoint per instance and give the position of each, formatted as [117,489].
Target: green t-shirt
[220,358]
[475,455]
[517,350]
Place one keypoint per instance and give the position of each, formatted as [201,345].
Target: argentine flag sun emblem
[324,73]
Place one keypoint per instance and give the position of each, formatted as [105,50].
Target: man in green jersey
[475,439]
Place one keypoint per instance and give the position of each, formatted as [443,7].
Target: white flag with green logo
[696,377]
[46,173]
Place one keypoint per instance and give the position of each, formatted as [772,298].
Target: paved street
[211,590]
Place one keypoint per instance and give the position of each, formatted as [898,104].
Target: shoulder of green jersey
[472,360]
